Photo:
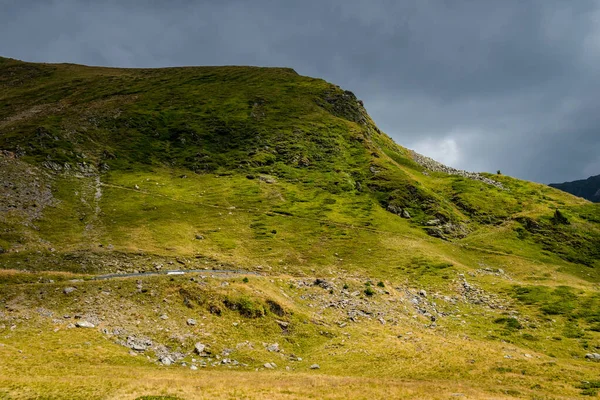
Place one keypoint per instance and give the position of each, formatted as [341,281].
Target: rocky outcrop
[445,230]
[435,166]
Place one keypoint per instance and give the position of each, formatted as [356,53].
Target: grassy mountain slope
[260,169]
[587,188]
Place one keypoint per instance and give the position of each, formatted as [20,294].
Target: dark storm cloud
[481,85]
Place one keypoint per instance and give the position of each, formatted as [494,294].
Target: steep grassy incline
[149,159]
[364,255]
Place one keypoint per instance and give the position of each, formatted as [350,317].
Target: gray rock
[69,289]
[199,237]
[226,352]
[405,214]
[191,321]
[166,360]
[593,356]
[394,209]
[164,316]
[273,347]
[315,366]
[193,368]
[84,324]
[270,365]
[323,283]
[267,179]
[199,348]
[283,324]
[422,293]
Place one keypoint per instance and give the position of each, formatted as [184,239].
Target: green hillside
[391,272]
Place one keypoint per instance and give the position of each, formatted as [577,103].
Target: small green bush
[510,323]
[245,306]
[369,291]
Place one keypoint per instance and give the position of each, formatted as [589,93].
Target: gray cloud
[481,85]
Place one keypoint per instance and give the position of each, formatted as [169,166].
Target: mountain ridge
[587,188]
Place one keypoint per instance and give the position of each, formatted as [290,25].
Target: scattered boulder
[200,348]
[593,356]
[84,324]
[283,324]
[398,211]
[69,289]
[394,209]
[267,179]
[273,347]
[315,366]
[270,365]
[138,344]
[166,360]
[199,237]
[323,283]
[193,368]
[191,321]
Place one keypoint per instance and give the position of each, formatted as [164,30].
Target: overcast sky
[479,85]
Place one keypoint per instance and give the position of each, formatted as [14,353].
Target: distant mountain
[587,188]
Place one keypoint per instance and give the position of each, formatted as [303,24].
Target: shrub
[246,307]
[510,323]
[369,291]
[559,218]
[380,284]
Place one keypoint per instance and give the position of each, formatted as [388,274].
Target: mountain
[256,225]
[587,188]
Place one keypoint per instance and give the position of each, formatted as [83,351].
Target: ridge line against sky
[478,85]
